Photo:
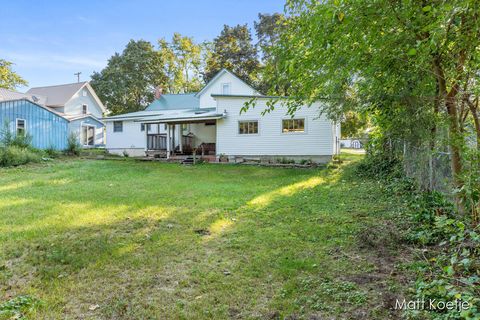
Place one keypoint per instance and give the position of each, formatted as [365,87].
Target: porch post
[173,139]
[180,137]
[168,141]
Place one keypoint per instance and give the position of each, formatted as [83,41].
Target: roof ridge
[179,94]
[60,85]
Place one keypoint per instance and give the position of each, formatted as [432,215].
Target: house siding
[270,141]
[131,139]
[76,125]
[46,128]
[236,87]
[74,105]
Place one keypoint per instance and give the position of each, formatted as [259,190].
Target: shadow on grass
[141,255]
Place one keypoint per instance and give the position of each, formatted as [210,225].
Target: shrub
[125,154]
[51,152]
[10,139]
[15,156]
[73,146]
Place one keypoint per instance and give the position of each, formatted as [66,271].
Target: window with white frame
[21,127]
[248,127]
[293,125]
[225,88]
[117,126]
[84,109]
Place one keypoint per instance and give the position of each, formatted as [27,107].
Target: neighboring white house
[211,121]
[78,103]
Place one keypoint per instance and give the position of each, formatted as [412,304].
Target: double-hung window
[21,127]
[117,126]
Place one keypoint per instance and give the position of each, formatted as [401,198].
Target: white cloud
[45,59]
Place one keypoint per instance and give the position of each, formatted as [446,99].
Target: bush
[9,139]
[73,146]
[51,152]
[15,156]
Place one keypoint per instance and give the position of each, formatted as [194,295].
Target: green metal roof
[175,102]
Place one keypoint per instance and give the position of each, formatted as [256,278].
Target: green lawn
[163,241]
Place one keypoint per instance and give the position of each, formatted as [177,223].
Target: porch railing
[156,141]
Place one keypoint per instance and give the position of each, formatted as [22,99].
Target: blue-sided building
[51,114]
[47,128]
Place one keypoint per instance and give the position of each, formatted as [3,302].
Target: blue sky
[51,40]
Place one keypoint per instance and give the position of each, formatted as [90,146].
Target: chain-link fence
[429,168]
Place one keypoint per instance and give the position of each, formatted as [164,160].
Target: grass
[136,240]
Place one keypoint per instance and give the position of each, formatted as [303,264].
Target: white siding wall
[316,141]
[74,105]
[130,139]
[203,133]
[236,87]
[76,127]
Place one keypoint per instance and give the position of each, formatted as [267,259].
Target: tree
[268,29]
[8,78]
[181,60]
[233,49]
[409,63]
[354,125]
[127,83]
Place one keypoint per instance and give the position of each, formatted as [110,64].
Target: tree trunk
[474,111]
[454,132]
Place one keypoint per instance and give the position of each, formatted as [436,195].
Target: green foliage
[268,29]
[285,161]
[8,78]
[18,307]
[14,156]
[233,49]
[127,83]
[73,146]
[354,125]
[449,253]
[8,138]
[182,61]
[51,152]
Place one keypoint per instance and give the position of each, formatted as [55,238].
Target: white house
[78,103]
[211,122]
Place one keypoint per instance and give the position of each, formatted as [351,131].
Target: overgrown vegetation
[15,149]
[73,145]
[447,245]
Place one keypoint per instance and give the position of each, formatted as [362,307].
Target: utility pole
[78,76]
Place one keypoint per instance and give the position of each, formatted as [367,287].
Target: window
[84,109]
[248,127]
[117,126]
[84,93]
[142,127]
[184,127]
[293,125]
[21,124]
[225,88]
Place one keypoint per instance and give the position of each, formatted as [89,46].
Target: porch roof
[185,116]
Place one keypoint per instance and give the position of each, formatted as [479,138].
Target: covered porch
[181,138]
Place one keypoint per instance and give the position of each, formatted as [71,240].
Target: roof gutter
[174,120]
